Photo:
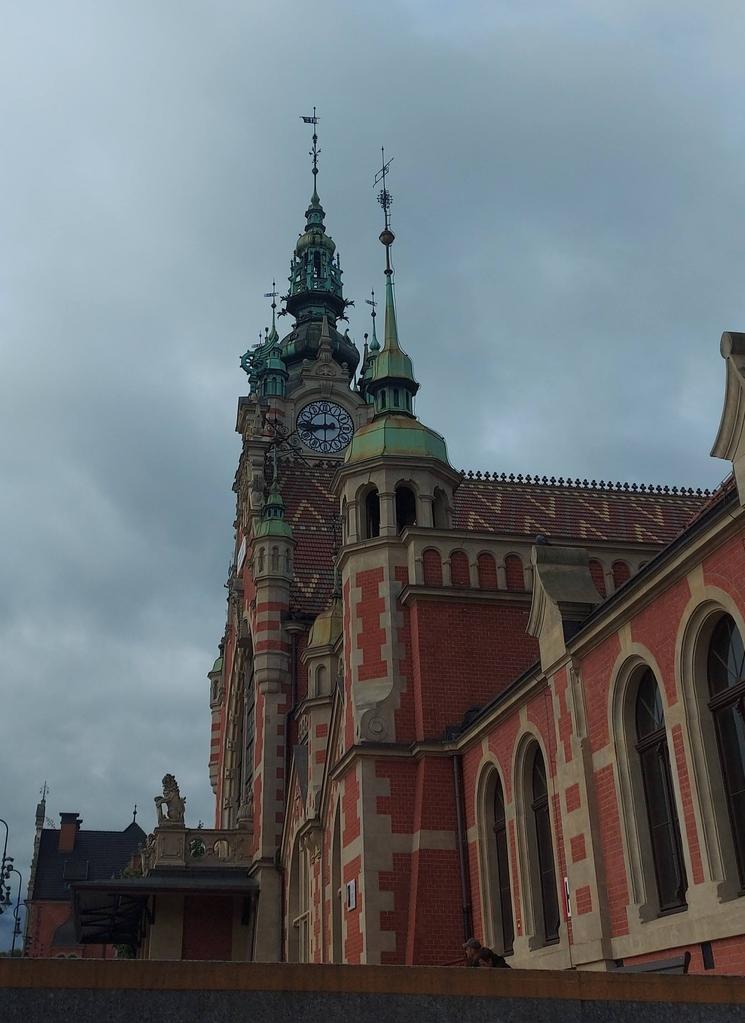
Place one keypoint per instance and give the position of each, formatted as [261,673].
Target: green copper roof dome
[396,434]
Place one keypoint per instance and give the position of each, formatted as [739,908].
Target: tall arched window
[726,677]
[405,507]
[662,816]
[503,869]
[544,848]
[371,515]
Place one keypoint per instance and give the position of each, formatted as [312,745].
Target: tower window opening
[396,397]
[405,508]
[382,399]
[316,264]
[372,515]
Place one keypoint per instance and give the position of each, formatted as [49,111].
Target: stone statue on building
[172,800]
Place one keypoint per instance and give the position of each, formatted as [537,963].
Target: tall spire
[316,281]
[392,382]
[273,335]
[314,152]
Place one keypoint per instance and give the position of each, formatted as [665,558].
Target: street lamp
[16,911]
[5,848]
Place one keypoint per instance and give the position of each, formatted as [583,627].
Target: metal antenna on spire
[385,199]
[44,790]
[315,150]
[273,296]
[371,301]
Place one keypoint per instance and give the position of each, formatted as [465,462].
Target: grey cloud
[568,205]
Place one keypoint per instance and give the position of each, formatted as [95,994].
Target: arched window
[459,571]
[503,869]
[598,576]
[726,678]
[405,507]
[513,569]
[321,675]
[544,849]
[371,515]
[440,509]
[621,573]
[487,570]
[662,817]
[432,567]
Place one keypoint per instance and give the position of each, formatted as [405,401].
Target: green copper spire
[315,286]
[394,431]
[391,382]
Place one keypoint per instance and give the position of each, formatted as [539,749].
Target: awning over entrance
[117,911]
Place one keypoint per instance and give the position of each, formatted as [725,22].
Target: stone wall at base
[36,991]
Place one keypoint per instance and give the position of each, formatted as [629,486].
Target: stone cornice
[412,592]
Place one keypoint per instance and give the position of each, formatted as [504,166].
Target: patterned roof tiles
[574,512]
[571,510]
[310,508]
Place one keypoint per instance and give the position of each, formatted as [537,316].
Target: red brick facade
[398,665]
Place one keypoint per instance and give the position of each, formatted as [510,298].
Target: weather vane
[315,150]
[272,294]
[385,199]
[371,302]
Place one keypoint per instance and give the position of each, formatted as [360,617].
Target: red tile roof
[310,508]
[570,510]
[576,511]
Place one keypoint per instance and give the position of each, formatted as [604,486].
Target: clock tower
[296,423]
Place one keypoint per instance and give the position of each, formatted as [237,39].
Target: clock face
[325,426]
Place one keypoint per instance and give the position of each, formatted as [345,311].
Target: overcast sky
[570,215]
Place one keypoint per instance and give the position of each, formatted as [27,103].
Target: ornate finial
[134,814]
[385,199]
[315,150]
[374,345]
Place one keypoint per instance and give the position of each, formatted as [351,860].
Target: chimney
[68,829]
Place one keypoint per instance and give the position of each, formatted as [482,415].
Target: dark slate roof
[490,503]
[97,855]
